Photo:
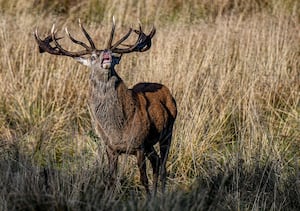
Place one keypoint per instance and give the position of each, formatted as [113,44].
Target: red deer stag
[129,121]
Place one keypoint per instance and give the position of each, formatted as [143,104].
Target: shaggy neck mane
[109,96]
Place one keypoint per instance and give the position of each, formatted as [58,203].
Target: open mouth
[106,58]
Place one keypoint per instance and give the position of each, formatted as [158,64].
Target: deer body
[128,117]
[129,121]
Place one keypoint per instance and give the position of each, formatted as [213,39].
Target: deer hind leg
[141,161]
[155,163]
[164,152]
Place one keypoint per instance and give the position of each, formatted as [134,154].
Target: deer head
[97,59]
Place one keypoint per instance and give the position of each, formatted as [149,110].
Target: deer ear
[116,58]
[84,61]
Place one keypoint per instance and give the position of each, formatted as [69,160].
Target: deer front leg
[141,161]
[113,165]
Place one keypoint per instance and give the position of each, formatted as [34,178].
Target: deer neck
[111,101]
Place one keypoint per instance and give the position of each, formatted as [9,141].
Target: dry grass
[233,67]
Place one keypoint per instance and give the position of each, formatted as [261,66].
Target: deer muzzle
[106,60]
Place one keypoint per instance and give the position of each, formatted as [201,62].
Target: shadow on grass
[26,186]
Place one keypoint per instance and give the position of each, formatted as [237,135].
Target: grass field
[233,67]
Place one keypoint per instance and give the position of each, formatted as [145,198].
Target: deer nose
[106,56]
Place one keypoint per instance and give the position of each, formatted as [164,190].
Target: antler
[142,44]
[45,45]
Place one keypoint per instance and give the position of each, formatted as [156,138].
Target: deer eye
[93,58]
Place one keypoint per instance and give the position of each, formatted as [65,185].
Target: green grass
[233,67]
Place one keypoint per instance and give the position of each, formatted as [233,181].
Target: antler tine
[52,28]
[122,39]
[37,37]
[53,32]
[87,35]
[111,33]
[142,44]
[153,31]
[45,45]
[140,26]
[148,40]
[39,41]
[61,50]
[77,41]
